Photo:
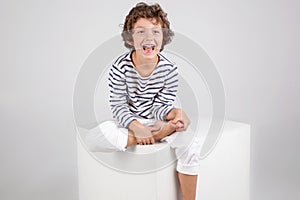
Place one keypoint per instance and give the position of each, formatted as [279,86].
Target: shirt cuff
[165,112]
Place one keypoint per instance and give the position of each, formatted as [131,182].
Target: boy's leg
[187,149]
[188,186]
[107,137]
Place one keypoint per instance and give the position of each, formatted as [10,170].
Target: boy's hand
[142,133]
[179,119]
[164,129]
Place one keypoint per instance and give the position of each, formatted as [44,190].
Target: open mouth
[148,48]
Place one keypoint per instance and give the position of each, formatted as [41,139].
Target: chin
[148,56]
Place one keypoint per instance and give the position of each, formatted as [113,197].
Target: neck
[144,66]
[138,61]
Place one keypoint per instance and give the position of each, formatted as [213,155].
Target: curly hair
[143,10]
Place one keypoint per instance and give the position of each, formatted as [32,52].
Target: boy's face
[147,38]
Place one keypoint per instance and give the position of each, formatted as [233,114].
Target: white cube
[224,174]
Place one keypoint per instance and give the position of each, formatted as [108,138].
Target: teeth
[148,47]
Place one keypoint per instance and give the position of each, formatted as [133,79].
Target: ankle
[131,139]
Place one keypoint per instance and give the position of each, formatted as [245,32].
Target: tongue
[148,50]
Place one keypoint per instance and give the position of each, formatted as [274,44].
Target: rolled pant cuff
[188,169]
[122,140]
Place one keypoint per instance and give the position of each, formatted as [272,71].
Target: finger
[144,141]
[171,124]
[154,128]
[177,119]
[152,140]
[138,141]
[141,142]
[180,129]
[174,121]
[179,124]
[149,141]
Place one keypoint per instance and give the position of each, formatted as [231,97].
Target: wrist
[172,113]
[134,125]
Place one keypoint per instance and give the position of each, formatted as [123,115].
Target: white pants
[108,137]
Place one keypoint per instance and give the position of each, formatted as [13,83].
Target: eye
[140,32]
[157,31]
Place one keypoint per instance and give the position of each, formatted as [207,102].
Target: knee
[104,138]
[93,140]
[190,153]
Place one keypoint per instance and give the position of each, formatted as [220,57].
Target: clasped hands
[176,121]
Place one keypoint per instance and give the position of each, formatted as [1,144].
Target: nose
[149,35]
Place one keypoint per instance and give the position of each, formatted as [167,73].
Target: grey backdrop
[254,44]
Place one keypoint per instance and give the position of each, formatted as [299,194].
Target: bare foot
[160,130]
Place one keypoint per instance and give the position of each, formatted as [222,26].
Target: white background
[255,46]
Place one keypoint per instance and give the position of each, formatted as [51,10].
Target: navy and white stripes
[134,96]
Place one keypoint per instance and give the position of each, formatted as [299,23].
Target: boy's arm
[163,102]
[118,97]
[178,117]
[143,134]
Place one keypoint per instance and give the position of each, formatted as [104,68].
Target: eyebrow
[145,27]
[140,27]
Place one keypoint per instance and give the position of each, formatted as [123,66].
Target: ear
[129,42]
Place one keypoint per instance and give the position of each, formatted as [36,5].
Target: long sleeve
[165,98]
[118,97]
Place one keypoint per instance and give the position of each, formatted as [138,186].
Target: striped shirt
[132,96]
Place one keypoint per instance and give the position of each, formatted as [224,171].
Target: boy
[143,86]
